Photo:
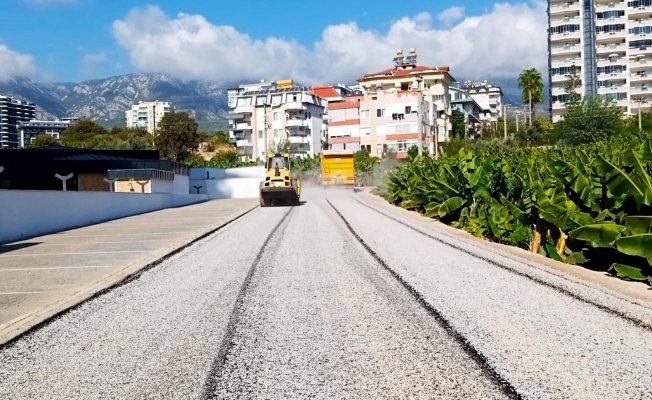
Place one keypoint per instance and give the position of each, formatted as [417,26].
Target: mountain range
[106,100]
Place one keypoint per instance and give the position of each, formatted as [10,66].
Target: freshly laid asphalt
[335,298]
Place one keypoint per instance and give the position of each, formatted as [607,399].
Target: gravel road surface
[321,319]
[155,337]
[333,299]
[547,344]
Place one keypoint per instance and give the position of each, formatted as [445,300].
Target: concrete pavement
[45,275]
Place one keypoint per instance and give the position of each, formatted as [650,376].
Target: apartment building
[29,130]
[263,115]
[488,96]
[332,94]
[147,114]
[408,79]
[396,106]
[13,111]
[474,113]
[610,42]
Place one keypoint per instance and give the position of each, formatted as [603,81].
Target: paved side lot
[45,275]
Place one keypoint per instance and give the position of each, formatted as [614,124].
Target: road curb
[18,327]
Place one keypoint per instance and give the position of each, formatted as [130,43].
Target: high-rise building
[147,114]
[610,43]
[264,115]
[13,111]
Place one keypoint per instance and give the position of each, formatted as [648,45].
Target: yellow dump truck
[338,168]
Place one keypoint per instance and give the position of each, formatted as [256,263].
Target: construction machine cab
[279,187]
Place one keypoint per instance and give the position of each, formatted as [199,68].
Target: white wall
[181,184]
[161,186]
[28,213]
[232,183]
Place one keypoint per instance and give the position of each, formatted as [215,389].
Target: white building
[488,96]
[147,114]
[265,114]
[607,41]
[29,130]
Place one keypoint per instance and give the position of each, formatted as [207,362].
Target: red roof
[324,91]
[393,72]
[343,104]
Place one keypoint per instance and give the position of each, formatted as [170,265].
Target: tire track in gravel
[227,342]
[154,337]
[475,355]
[634,320]
[322,319]
[546,344]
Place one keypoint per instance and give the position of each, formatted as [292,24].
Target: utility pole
[530,94]
[419,116]
[640,125]
[516,115]
[505,120]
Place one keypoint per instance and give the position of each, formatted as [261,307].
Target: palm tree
[530,82]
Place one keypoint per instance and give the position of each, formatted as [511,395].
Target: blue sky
[73,40]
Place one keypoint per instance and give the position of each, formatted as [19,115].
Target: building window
[364,114]
[275,116]
[380,112]
[379,149]
[404,86]
[408,109]
[260,134]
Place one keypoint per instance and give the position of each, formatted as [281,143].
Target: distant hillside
[106,100]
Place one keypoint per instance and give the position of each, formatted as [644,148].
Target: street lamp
[419,80]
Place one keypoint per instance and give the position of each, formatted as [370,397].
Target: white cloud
[97,58]
[499,43]
[450,15]
[15,64]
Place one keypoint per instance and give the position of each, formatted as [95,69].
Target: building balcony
[622,34]
[566,49]
[640,51]
[246,125]
[295,105]
[609,21]
[616,76]
[292,122]
[566,36]
[640,78]
[244,143]
[606,49]
[559,78]
[609,6]
[639,12]
[558,105]
[565,8]
[634,90]
[299,140]
[568,19]
[243,110]
[566,62]
[603,62]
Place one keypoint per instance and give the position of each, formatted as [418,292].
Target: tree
[532,85]
[221,137]
[573,82]
[591,119]
[459,124]
[177,135]
[81,133]
[42,140]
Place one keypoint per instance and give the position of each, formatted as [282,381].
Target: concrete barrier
[231,183]
[28,213]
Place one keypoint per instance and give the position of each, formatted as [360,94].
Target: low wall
[28,213]
[231,183]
